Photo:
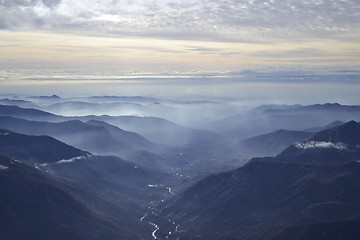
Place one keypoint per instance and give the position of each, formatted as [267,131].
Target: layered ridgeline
[311,189]
[91,136]
[157,130]
[172,145]
[184,111]
[267,119]
[102,138]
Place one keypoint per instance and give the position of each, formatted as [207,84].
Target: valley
[260,174]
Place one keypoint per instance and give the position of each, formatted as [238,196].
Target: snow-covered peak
[321,144]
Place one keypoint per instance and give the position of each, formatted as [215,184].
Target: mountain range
[116,191]
[131,177]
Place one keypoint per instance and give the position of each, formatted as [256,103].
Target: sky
[278,49]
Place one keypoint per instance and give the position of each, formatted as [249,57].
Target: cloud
[203,50]
[298,53]
[232,20]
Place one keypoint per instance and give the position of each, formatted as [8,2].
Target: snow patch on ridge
[2,167]
[322,144]
[72,159]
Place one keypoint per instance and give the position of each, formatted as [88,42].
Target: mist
[179,120]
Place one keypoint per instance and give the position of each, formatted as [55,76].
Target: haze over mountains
[272,192]
[149,168]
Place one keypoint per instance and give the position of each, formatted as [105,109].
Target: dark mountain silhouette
[36,149]
[33,206]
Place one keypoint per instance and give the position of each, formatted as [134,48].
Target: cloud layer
[235,20]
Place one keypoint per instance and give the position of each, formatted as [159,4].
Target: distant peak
[326,105]
[351,123]
[332,104]
[54,96]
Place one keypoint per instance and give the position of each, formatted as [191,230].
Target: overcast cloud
[236,20]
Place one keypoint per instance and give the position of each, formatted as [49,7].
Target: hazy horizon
[256,51]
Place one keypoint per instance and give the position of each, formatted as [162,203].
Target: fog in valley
[144,156]
[188,120]
[193,135]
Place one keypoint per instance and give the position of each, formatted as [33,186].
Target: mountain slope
[282,191]
[272,143]
[136,140]
[33,206]
[347,230]
[81,169]
[114,189]
[111,178]
[262,195]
